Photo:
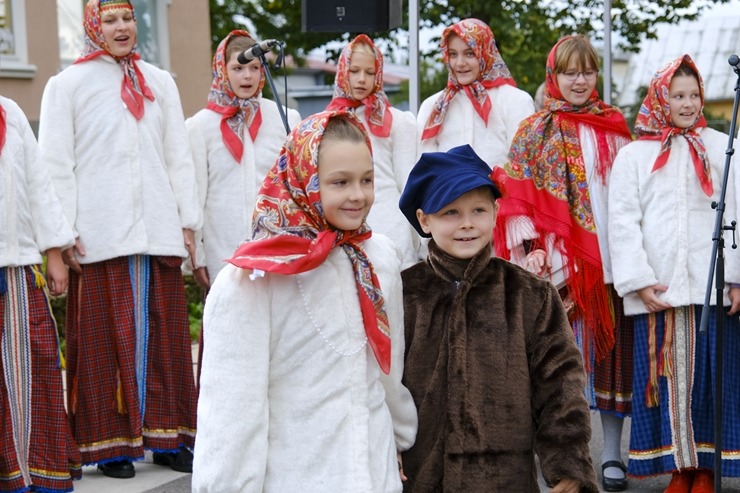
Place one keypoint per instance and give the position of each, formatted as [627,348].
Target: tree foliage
[525,30]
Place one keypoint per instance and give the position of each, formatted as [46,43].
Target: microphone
[734,60]
[257,50]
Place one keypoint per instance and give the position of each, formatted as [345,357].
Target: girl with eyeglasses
[554,223]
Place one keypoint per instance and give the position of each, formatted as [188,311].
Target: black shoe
[180,461]
[612,484]
[121,469]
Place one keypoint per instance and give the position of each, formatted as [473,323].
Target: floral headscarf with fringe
[290,233]
[133,88]
[236,113]
[493,73]
[545,178]
[654,122]
[377,106]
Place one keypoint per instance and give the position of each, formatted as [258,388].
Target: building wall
[43,52]
[190,51]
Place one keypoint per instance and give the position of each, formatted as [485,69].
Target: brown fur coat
[496,376]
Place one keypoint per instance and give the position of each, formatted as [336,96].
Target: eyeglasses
[572,76]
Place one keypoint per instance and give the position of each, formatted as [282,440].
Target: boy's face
[463,227]
[346,183]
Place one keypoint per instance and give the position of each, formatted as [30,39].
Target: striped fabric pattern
[678,432]
[16,357]
[139,271]
[52,459]
[105,408]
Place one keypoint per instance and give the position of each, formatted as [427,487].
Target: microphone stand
[266,67]
[718,263]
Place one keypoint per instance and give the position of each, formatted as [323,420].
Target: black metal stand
[275,94]
[718,264]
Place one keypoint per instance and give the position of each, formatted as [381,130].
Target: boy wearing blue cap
[491,360]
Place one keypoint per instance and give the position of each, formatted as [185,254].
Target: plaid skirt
[106,412]
[612,376]
[673,404]
[51,458]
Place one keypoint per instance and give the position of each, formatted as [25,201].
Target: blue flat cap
[440,178]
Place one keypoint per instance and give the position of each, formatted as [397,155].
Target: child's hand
[57,276]
[201,277]
[735,300]
[400,466]
[566,486]
[69,258]
[649,296]
[537,262]
[188,238]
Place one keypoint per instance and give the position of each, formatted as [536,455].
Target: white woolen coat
[31,217]
[393,158]
[462,125]
[126,186]
[227,190]
[661,223]
[292,398]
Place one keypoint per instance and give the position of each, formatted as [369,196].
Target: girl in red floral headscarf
[556,179]
[235,140]
[358,87]
[113,137]
[300,316]
[481,105]
[661,224]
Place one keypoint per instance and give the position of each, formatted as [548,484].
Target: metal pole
[607,96]
[414,56]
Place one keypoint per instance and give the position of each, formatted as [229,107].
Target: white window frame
[16,65]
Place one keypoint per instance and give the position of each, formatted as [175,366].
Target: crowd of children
[413,304]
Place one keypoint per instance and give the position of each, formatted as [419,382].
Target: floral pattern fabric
[290,234]
[236,112]
[377,106]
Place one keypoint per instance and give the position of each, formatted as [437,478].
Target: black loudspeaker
[335,16]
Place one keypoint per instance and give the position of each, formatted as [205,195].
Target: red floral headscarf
[133,87]
[654,122]
[290,234]
[236,112]
[377,106]
[493,73]
[545,178]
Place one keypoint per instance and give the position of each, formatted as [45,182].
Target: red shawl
[545,178]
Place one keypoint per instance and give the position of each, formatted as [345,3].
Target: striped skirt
[129,365]
[673,404]
[36,446]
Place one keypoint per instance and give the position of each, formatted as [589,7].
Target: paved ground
[157,479]
[151,478]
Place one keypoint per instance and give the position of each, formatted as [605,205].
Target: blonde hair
[577,48]
[339,128]
[363,48]
[238,44]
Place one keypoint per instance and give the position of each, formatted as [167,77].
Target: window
[151,25]
[13,47]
